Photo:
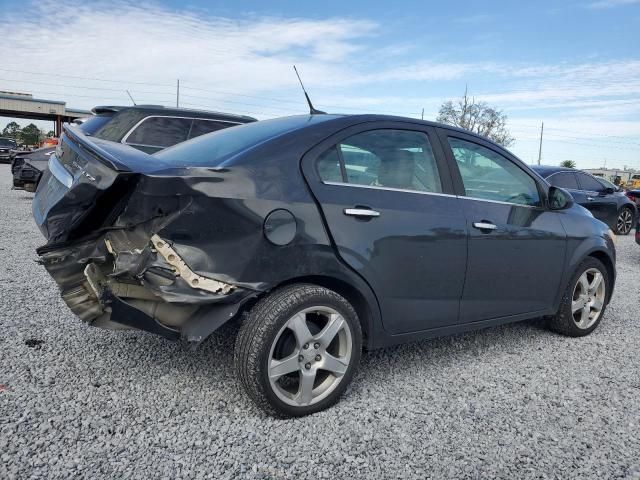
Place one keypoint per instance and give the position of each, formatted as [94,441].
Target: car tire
[311,333]
[624,221]
[573,319]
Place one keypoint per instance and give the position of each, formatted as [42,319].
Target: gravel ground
[510,402]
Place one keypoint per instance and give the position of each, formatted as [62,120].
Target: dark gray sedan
[321,235]
[605,202]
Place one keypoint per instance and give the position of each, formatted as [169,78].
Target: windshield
[7,142]
[214,148]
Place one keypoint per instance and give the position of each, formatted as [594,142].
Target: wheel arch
[358,299]
[606,260]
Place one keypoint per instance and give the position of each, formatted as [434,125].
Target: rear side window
[564,180]
[587,182]
[329,166]
[396,159]
[160,131]
[487,175]
[201,127]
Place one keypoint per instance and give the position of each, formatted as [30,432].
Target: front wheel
[584,300]
[298,349]
[624,222]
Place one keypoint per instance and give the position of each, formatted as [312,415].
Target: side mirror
[559,199]
[608,191]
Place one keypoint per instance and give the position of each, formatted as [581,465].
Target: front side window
[398,159]
[564,180]
[487,175]
[589,183]
[160,131]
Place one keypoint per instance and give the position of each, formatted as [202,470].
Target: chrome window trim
[464,197]
[375,187]
[126,136]
[58,171]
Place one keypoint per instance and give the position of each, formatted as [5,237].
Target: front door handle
[484,226]
[361,212]
[590,199]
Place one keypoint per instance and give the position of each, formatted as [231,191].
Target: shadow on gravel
[509,339]
[214,357]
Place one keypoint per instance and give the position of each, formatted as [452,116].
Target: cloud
[153,44]
[601,4]
[243,65]
[473,19]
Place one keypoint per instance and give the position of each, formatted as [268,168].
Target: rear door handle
[484,226]
[361,212]
[590,199]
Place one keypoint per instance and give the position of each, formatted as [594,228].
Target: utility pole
[178,93]
[540,150]
[422,117]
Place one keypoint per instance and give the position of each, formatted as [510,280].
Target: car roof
[307,129]
[174,111]
[547,170]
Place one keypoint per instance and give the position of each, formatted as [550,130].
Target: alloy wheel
[625,222]
[588,298]
[309,356]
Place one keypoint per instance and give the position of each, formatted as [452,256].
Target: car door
[603,206]
[386,195]
[516,246]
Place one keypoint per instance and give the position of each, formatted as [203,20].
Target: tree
[30,135]
[12,130]
[51,134]
[568,164]
[477,117]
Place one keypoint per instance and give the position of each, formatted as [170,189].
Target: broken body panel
[134,242]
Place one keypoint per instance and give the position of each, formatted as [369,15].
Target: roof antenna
[132,100]
[312,110]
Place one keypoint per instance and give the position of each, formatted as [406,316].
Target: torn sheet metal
[182,269]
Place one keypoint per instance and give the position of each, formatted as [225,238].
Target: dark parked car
[149,128]
[27,168]
[604,202]
[6,145]
[321,234]
[634,196]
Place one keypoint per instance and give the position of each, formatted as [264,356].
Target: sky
[574,65]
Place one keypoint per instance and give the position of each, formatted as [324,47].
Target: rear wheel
[584,300]
[298,349]
[624,222]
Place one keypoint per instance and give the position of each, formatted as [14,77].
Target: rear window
[92,124]
[213,149]
[160,131]
[202,127]
[120,124]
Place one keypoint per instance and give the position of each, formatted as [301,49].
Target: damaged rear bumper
[121,281]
